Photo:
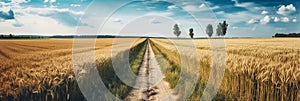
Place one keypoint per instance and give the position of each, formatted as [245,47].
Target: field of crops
[256,69]
[42,69]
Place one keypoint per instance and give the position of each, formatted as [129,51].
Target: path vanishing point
[149,85]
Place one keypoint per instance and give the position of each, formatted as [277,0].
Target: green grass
[172,68]
[136,56]
[108,75]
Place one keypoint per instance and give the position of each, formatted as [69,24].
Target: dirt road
[150,85]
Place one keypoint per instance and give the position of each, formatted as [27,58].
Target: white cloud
[276,19]
[248,5]
[194,8]
[2,4]
[286,10]
[52,0]
[294,20]
[117,20]
[11,4]
[264,12]
[233,18]
[202,6]
[75,5]
[214,7]
[185,3]
[29,24]
[245,5]
[220,12]
[19,1]
[160,13]
[251,21]
[285,19]
[191,8]
[58,14]
[265,20]
[49,11]
[172,7]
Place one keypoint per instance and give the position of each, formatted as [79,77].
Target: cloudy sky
[247,18]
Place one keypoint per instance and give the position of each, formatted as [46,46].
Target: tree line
[287,35]
[11,36]
[220,31]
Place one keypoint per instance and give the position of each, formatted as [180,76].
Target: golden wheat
[43,69]
[256,69]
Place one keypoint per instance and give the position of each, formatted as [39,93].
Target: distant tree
[177,32]
[191,32]
[10,36]
[219,30]
[287,35]
[209,30]
[224,28]
[2,36]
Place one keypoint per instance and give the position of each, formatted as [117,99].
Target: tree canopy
[191,32]
[177,31]
[209,30]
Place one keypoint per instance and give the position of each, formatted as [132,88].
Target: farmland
[256,69]
[42,69]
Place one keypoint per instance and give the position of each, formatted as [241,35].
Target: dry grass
[256,69]
[42,69]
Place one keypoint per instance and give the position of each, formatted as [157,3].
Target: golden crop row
[43,69]
[256,69]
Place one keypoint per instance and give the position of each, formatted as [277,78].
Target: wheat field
[42,69]
[256,69]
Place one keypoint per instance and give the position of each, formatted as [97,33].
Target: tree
[191,32]
[209,30]
[219,30]
[224,28]
[177,32]
[10,35]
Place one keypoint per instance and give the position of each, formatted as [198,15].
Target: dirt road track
[150,85]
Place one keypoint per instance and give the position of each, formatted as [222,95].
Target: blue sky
[248,18]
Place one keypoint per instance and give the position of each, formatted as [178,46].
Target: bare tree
[191,32]
[177,32]
[209,30]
